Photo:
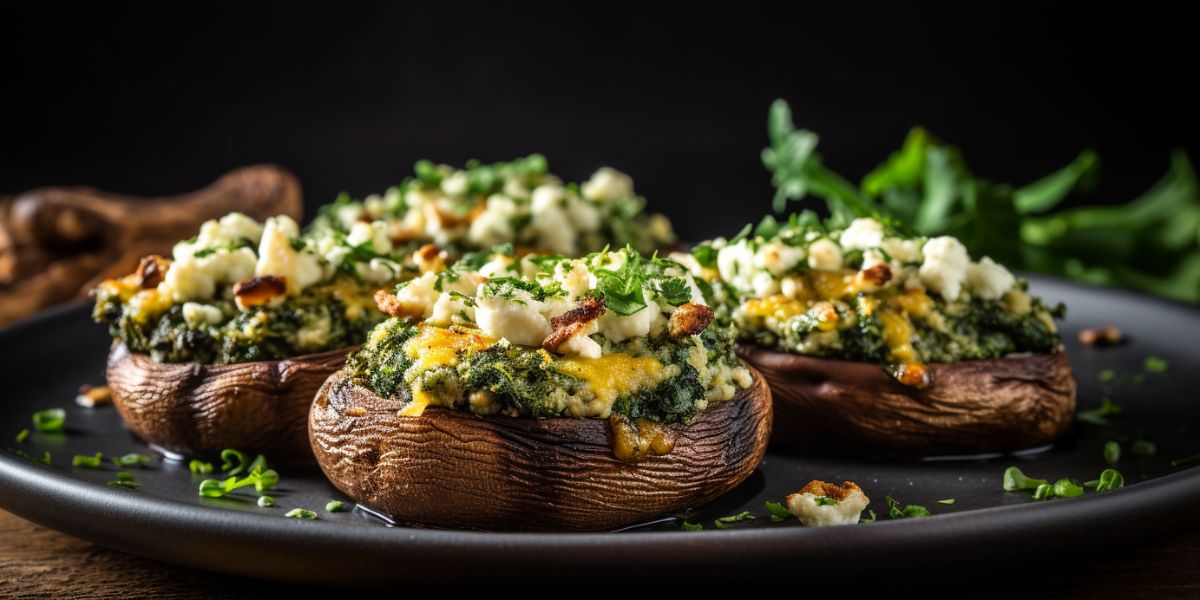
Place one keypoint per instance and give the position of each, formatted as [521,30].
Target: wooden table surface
[36,562]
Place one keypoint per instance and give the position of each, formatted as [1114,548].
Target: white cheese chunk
[515,318]
[197,315]
[945,266]
[988,280]
[825,255]
[862,234]
[608,184]
[276,256]
[842,512]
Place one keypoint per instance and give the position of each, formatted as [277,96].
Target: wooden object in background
[58,242]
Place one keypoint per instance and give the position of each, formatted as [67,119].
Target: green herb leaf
[778,511]
[705,255]
[22,435]
[825,501]
[1154,364]
[232,461]
[88,462]
[1099,416]
[691,526]
[211,488]
[132,459]
[51,420]
[1047,192]
[1043,492]
[1015,480]
[1187,460]
[870,520]
[300,513]
[1112,452]
[1110,479]
[723,522]
[946,501]
[1143,448]
[1067,488]
[911,511]
[199,467]
[335,506]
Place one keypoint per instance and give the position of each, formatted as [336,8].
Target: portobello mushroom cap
[974,406]
[196,409]
[451,468]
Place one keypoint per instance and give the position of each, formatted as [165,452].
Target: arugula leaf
[1047,192]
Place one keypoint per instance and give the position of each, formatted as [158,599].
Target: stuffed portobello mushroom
[224,344]
[879,340]
[542,393]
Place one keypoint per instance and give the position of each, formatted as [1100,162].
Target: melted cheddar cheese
[615,375]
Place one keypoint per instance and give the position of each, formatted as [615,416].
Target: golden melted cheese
[898,334]
[357,298]
[834,285]
[615,375]
[433,348]
[779,306]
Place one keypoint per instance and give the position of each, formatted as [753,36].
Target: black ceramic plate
[46,360]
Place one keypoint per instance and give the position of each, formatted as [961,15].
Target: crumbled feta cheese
[988,280]
[904,251]
[375,234]
[842,505]
[825,255]
[735,263]
[456,184]
[515,318]
[191,278]
[554,230]
[778,258]
[607,184]
[862,234]
[315,332]
[197,315]
[277,257]
[618,328]
[494,225]
[945,266]
[449,310]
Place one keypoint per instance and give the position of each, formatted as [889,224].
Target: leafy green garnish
[685,526]
[705,255]
[261,480]
[1015,480]
[911,511]
[778,511]
[51,420]
[1143,448]
[825,501]
[21,435]
[335,506]
[1187,460]
[723,522]
[232,461]
[1067,488]
[125,479]
[132,459]
[947,501]
[88,462]
[1099,416]
[622,288]
[1154,364]
[870,520]
[1110,479]
[199,467]
[300,513]
[1043,492]
[1112,452]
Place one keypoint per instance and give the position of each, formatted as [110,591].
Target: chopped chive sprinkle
[1154,364]
[870,520]
[300,513]
[88,462]
[50,420]
[723,522]
[778,511]
[1098,416]
[1067,488]
[1143,448]
[1187,460]
[335,506]
[199,467]
[1043,492]
[825,501]
[24,433]
[1015,480]
[947,501]
[1112,452]
[211,488]
[232,461]
[685,526]
[1110,479]
[132,459]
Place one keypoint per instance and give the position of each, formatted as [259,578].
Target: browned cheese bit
[572,322]
[689,319]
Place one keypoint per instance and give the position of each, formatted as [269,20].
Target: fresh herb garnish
[1187,460]
[88,462]
[1107,375]
[300,513]
[1099,416]
[947,501]
[1067,488]
[1112,452]
[1154,364]
[1043,492]
[870,520]
[124,479]
[825,501]
[1110,479]
[232,461]
[199,467]
[685,526]
[911,511]
[132,459]
[705,255]
[335,506]
[50,420]
[1015,480]
[778,511]
[622,288]
[1143,448]
[261,480]
[21,435]
[723,522]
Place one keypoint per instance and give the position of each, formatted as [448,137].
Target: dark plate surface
[44,362]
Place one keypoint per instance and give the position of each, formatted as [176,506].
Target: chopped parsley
[1099,416]
[1016,480]
[685,526]
[88,462]
[778,511]
[723,522]
[51,420]
[911,511]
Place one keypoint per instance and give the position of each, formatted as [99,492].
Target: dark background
[152,100]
